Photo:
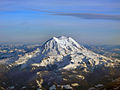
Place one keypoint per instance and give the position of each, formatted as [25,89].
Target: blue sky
[87,21]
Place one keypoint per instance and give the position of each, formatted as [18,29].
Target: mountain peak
[60,45]
[59,38]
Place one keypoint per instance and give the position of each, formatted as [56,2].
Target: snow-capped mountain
[63,53]
[61,46]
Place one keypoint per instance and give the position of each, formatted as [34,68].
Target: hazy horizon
[88,22]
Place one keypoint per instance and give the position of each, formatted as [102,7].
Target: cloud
[64,5]
[82,15]
[91,16]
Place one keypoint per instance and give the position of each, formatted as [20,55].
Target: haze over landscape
[88,21]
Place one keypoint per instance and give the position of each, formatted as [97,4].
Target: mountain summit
[60,46]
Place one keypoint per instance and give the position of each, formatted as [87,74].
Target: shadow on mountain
[64,62]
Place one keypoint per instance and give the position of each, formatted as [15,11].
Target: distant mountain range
[112,51]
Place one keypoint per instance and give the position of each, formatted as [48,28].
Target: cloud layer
[87,9]
[82,15]
[91,16]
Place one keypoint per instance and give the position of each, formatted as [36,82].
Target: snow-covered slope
[61,46]
[63,53]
